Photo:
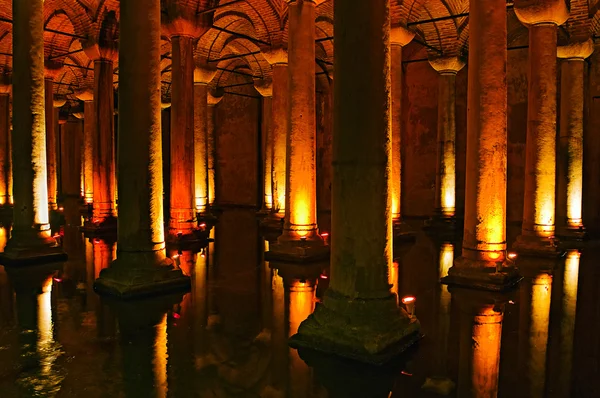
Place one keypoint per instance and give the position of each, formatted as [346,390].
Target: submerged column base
[298,251]
[107,226]
[271,227]
[536,246]
[366,330]
[125,279]
[26,248]
[572,233]
[402,231]
[483,275]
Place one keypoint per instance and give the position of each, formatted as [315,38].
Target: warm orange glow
[408,300]
[485,342]
[494,255]
[395,205]
[446,258]
[301,218]
[393,279]
[448,181]
[160,358]
[512,256]
[302,302]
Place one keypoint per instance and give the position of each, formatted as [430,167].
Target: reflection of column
[279,348]
[533,333]
[31,230]
[104,252]
[484,242]
[5,141]
[202,112]
[445,183]
[265,89]
[480,339]
[141,265]
[301,303]
[570,149]
[210,143]
[399,38]
[361,197]
[540,167]
[279,62]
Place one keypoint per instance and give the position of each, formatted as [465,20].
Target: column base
[35,251]
[373,331]
[207,218]
[298,252]
[271,227]
[482,275]
[572,234]
[125,281]
[441,224]
[536,246]
[403,232]
[108,226]
[6,211]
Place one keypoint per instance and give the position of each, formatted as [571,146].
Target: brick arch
[214,40]
[223,77]
[56,44]
[262,14]
[5,50]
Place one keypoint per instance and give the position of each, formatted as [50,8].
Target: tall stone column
[399,37]
[141,266]
[265,89]
[30,239]
[483,260]
[202,77]
[537,233]
[5,144]
[51,146]
[213,100]
[89,133]
[445,182]
[570,148]
[359,317]
[300,239]
[71,138]
[182,218]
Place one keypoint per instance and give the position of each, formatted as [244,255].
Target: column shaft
[267,152]
[211,153]
[485,187]
[396,121]
[280,128]
[5,166]
[540,164]
[50,143]
[70,161]
[570,148]
[103,143]
[201,115]
[445,184]
[89,133]
[301,201]
[182,206]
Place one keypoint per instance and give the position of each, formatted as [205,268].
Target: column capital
[59,102]
[79,115]
[5,83]
[447,65]
[97,52]
[576,50]
[52,69]
[213,98]
[264,87]
[315,2]
[400,36]
[165,103]
[534,12]
[204,75]
[276,56]
[85,95]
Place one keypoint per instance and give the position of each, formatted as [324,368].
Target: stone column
[265,89]
[279,62]
[482,263]
[359,316]
[141,266]
[570,147]
[5,141]
[213,100]
[182,218]
[30,239]
[300,238]
[202,113]
[399,37]
[51,146]
[445,182]
[89,133]
[70,156]
[537,233]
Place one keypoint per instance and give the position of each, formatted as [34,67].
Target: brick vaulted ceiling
[232,34]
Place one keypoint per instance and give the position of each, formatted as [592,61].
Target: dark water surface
[228,336]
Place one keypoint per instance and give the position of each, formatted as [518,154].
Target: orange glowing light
[61,208]
[323,276]
[494,255]
[512,256]
[408,300]
[203,225]
[324,234]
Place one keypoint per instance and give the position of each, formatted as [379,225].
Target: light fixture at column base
[38,254]
[482,275]
[298,252]
[126,282]
[373,331]
[537,246]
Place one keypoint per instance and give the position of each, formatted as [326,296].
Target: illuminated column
[202,113]
[399,38]
[5,141]
[89,133]
[536,289]
[279,62]
[70,171]
[537,234]
[30,239]
[345,323]
[51,72]
[570,148]
[445,182]
[265,89]
[182,218]
[210,143]
[484,242]
[141,265]
[479,352]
